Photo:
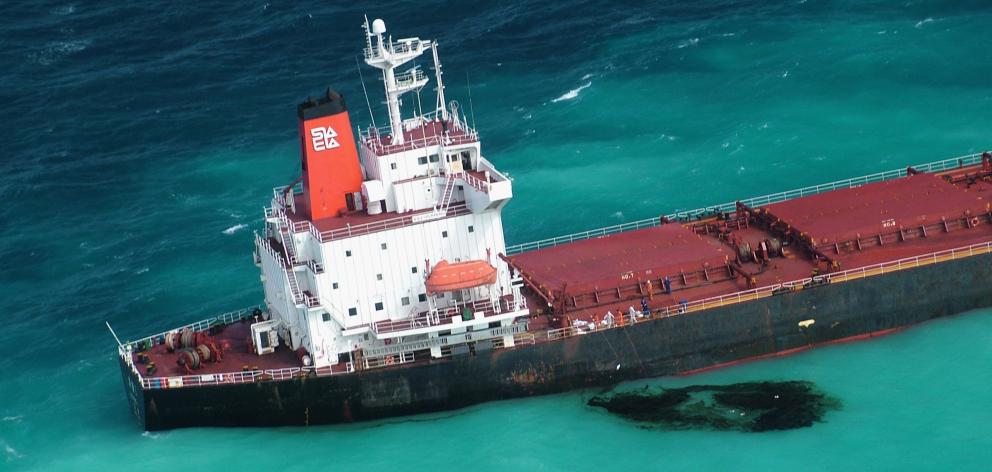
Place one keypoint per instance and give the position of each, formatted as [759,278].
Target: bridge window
[334,285]
[471,229]
[422,297]
[422,160]
[353,312]
[383,246]
[347,253]
[378,306]
[405,301]
[444,234]
[413,270]
[434,158]
[327,317]
[378,276]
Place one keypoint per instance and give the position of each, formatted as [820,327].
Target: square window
[378,276]
[444,234]
[405,301]
[352,311]
[392,165]
[413,269]
[383,246]
[334,285]
[471,229]
[434,158]
[327,317]
[378,306]
[347,253]
[422,297]
[422,160]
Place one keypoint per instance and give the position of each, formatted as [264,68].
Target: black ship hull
[667,346]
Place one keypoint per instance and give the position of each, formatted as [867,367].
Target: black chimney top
[331,103]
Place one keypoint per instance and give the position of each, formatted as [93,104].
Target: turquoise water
[141,141]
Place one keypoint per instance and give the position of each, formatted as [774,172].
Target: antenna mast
[442,110]
[387,55]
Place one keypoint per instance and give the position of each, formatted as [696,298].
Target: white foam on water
[235,228]
[64,10]
[57,50]
[11,452]
[572,93]
[919,24]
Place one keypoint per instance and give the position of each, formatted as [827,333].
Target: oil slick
[749,406]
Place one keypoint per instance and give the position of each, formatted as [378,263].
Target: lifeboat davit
[447,277]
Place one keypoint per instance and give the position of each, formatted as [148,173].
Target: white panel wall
[358,276]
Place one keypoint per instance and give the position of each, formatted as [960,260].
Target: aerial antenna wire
[471,106]
[420,107]
[367,102]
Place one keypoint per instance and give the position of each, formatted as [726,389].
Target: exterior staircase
[294,286]
[287,243]
[444,201]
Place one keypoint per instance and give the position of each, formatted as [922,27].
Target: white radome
[378,26]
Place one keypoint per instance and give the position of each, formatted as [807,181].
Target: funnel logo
[323,138]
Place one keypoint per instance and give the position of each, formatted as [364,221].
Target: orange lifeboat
[447,277]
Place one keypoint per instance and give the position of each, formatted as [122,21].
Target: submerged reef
[749,406]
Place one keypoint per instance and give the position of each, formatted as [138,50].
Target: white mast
[441,109]
[387,55]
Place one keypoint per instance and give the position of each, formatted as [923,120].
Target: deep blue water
[140,141]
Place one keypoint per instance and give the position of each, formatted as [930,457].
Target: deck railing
[388,360]
[474,181]
[203,325]
[249,376]
[762,292]
[367,228]
[445,316]
[238,377]
[459,133]
[936,166]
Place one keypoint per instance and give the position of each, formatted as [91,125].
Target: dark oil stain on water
[748,406]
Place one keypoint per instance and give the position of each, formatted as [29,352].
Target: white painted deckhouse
[388,244]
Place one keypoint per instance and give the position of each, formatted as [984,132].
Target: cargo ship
[389,289]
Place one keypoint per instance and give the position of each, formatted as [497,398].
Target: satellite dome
[378,26]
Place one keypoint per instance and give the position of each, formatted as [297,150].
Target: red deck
[881,207]
[234,340]
[612,260]
[876,210]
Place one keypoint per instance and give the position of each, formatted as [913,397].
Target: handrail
[474,181]
[439,317]
[373,227]
[935,166]
[371,137]
[197,380]
[834,277]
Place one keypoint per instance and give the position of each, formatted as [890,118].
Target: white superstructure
[364,283]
